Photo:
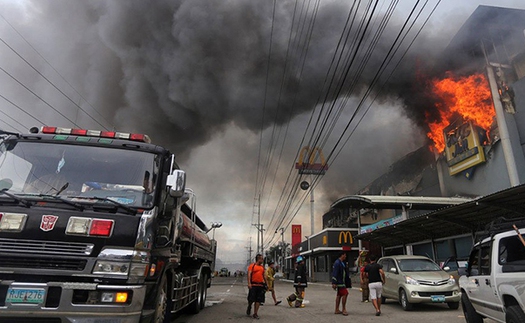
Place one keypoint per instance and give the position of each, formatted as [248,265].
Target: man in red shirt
[256,285]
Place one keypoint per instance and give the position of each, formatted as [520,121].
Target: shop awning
[468,217]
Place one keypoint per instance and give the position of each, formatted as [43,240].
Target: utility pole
[260,228]
[262,242]
[249,251]
[282,249]
[312,209]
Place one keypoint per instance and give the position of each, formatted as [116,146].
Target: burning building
[475,122]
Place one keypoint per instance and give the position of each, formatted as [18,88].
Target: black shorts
[256,294]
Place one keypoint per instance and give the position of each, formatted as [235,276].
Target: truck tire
[403,299]
[196,306]
[514,314]
[453,305]
[163,303]
[204,293]
[471,316]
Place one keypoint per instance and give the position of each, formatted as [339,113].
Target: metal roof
[469,217]
[396,202]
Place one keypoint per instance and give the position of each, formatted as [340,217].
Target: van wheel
[514,314]
[163,303]
[471,316]
[403,299]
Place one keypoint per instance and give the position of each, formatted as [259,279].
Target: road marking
[228,291]
[211,303]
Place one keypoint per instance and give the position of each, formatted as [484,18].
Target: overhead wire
[298,75]
[388,59]
[57,72]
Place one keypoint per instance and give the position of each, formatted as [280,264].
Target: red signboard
[296,236]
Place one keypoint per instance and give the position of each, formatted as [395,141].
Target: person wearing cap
[270,273]
[300,283]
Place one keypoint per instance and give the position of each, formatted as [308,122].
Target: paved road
[227,302]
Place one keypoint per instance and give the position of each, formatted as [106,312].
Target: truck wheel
[163,303]
[196,306]
[403,299]
[514,314]
[471,316]
[204,293]
[453,305]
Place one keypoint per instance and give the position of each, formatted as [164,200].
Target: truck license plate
[25,295]
[437,298]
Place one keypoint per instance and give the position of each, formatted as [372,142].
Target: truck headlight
[111,267]
[139,270]
[411,281]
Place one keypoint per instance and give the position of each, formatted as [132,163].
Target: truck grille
[45,247]
[42,263]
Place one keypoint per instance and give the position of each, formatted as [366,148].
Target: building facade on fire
[476,160]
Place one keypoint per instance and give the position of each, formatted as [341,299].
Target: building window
[424,249]
[463,247]
[442,250]
[320,264]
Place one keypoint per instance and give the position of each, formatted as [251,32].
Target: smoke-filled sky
[215,81]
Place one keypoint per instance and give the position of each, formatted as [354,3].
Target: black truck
[97,226]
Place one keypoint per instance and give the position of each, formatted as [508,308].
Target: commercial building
[477,159]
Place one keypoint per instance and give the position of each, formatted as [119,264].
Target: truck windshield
[69,171]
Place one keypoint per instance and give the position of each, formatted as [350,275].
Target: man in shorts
[339,276]
[256,286]
[376,279]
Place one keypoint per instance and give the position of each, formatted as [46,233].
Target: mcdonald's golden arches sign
[307,161]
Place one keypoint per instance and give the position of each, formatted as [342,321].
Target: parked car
[418,279]
[454,267]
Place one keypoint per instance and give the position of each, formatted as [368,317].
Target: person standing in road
[256,286]
[365,292]
[270,272]
[339,277]
[376,279]
[300,283]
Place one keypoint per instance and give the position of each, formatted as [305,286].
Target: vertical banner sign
[296,237]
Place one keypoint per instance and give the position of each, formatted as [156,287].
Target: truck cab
[494,284]
[96,225]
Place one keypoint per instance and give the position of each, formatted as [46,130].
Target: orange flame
[467,97]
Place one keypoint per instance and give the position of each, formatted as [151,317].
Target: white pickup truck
[494,286]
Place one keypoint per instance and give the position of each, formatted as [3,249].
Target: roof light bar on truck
[93,133]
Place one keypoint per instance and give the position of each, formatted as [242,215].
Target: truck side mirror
[176,183]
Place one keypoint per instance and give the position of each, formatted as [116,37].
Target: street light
[214,226]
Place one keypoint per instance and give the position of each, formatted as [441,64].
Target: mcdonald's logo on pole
[296,234]
[307,164]
[345,236]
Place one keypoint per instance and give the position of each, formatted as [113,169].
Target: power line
[56,71]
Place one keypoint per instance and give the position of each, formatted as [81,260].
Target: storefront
[322,249]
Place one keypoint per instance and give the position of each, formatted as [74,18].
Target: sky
[233,87]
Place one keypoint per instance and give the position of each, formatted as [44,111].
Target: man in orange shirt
[256,286]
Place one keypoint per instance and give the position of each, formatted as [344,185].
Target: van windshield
[417,265]
[68,171]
